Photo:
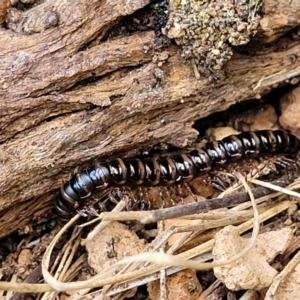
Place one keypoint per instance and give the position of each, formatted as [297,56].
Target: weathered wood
[144,96]
[32,109]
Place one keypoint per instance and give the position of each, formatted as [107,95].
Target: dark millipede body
[171,168]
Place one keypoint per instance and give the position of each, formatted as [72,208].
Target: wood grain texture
[67,98]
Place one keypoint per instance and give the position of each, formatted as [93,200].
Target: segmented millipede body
[172,168]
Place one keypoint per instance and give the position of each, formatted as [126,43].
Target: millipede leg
[180,194]
[170,168]
[141,198]
[286,162]
[190,192]
[147,199]
[162,199]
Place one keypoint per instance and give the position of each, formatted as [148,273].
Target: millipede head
[63,209]
[169,168]
[66,202]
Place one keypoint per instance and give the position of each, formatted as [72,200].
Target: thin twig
[201,206]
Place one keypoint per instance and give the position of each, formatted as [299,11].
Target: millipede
[170,168]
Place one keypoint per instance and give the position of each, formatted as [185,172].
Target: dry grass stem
[194,258]
[284,273]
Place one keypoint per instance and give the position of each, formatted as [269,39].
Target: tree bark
[67,98]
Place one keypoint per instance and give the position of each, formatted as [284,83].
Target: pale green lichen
[207,30]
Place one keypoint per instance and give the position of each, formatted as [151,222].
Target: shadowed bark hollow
[69,94]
